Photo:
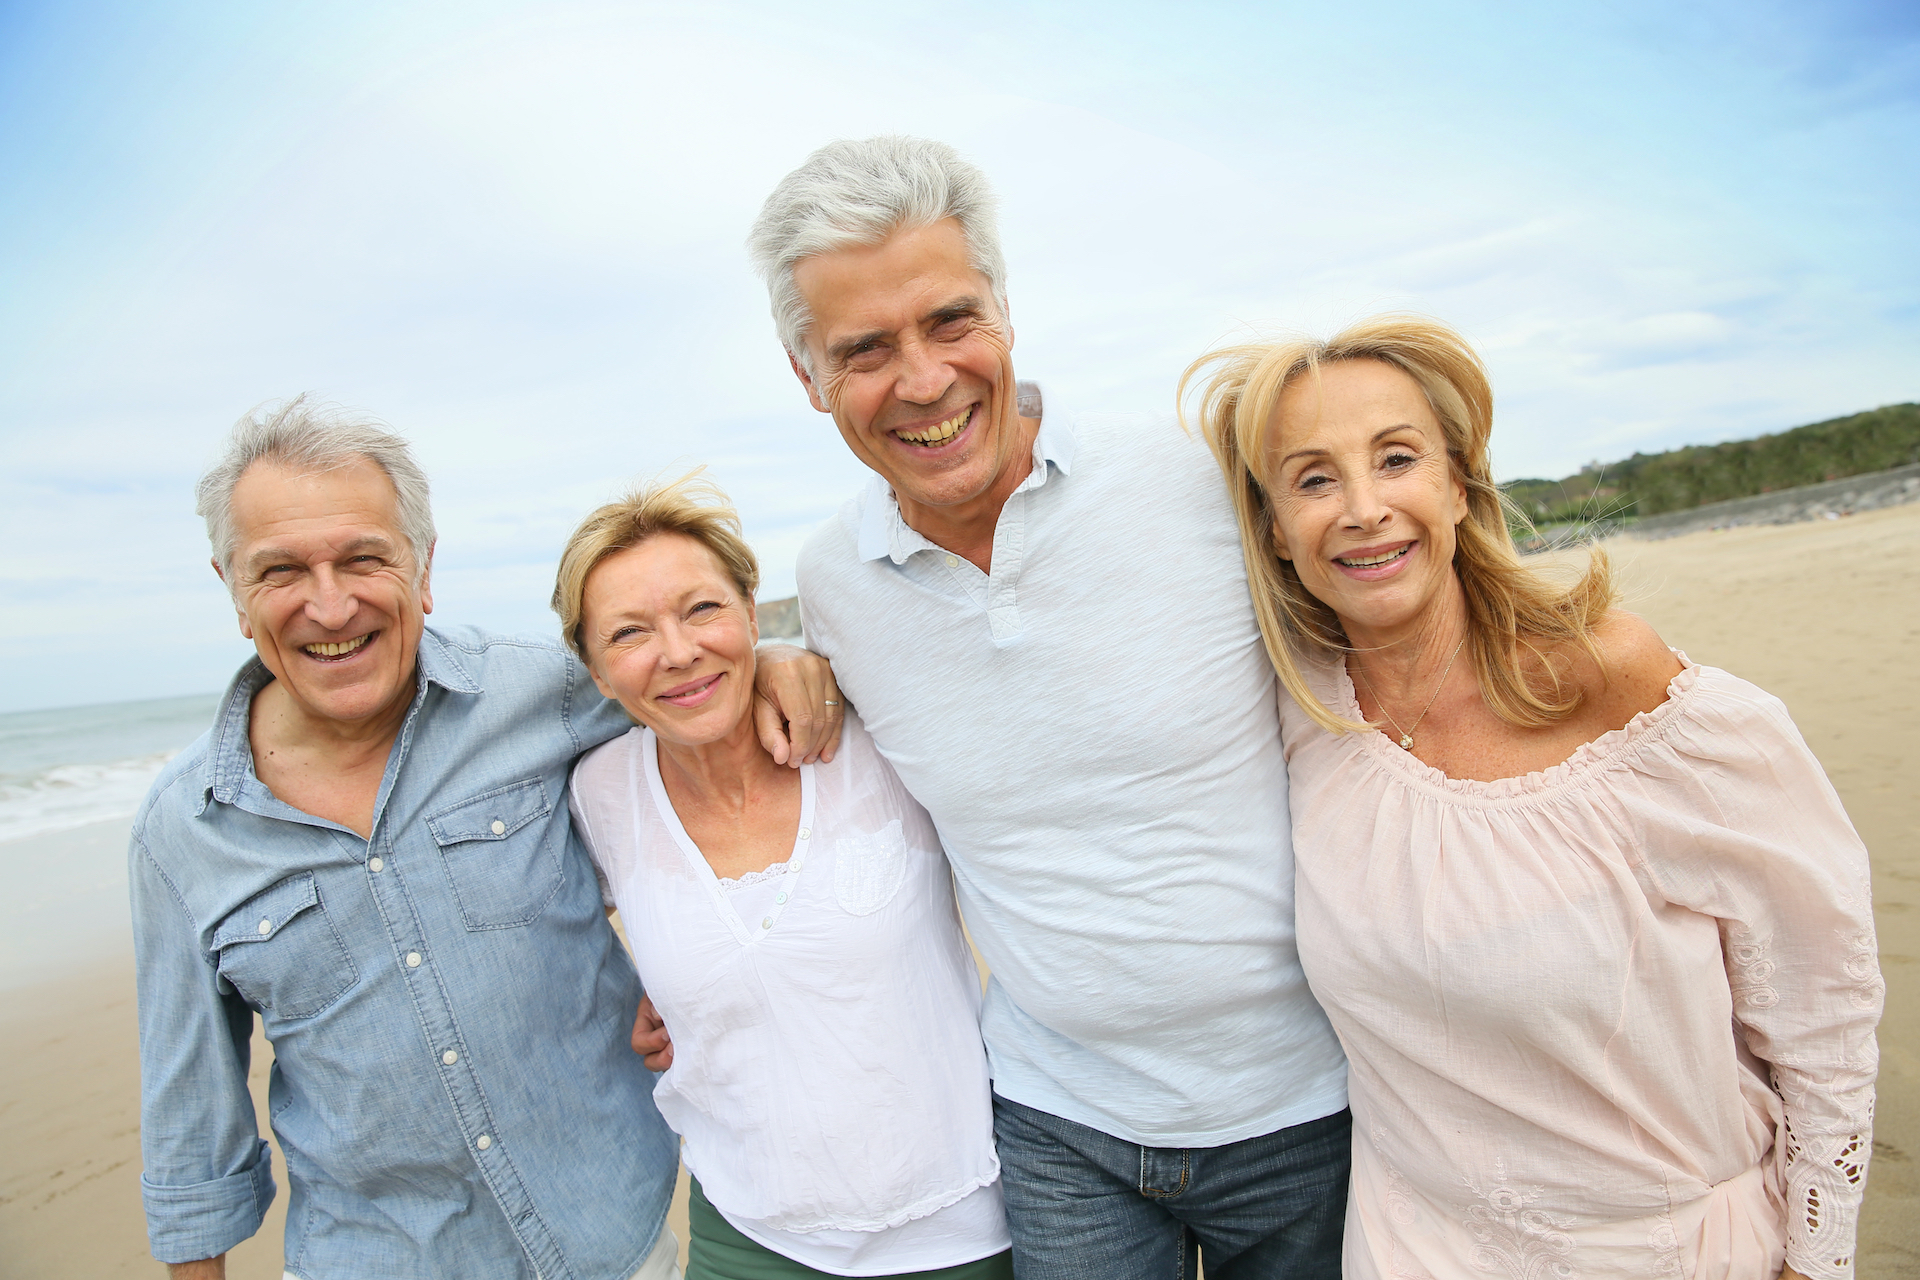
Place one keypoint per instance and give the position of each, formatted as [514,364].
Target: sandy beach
[1822,614]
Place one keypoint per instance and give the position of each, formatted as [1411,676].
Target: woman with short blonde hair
[1588,917]
[796,930]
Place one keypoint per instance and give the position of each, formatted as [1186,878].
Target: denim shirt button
[483,1142]
[499,827]
[266,927]
[449,1057]
[376,865]
[413,959]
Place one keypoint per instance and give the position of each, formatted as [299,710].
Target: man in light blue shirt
[1043,618]
[371,850]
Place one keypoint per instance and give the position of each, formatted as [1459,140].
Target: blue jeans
[1084,1205]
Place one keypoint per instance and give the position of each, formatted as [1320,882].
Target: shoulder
[497,647]
[177,791]
[1137,438]
[1633,675]
[835,540]
[608,765]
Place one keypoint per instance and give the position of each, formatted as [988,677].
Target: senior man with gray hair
[371,850]
[1043,617]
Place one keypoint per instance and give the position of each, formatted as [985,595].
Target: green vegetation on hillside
[1649,483]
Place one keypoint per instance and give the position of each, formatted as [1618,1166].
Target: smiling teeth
[335,650]
[1373,560]
[940,434]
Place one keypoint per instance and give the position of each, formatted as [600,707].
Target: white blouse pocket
[868,868]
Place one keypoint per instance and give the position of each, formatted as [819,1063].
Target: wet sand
[1826,615]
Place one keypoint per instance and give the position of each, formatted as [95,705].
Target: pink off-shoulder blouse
[1614,1018]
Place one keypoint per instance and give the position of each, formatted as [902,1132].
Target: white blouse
[1611,1018]
[828,1080]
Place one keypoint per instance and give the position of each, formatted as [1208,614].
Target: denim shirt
[453,1086]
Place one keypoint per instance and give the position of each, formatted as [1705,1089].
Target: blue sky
[513,231]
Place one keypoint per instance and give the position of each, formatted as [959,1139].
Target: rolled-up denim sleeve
[207,1177]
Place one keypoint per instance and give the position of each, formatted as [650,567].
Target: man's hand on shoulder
[797,708]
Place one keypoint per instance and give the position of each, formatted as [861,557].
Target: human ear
[606,690]
[806,380]
[426,581]
[1280,541]
[239,614]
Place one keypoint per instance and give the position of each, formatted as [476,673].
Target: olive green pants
[719,1252]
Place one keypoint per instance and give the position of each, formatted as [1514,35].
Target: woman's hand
[1788,1273]
[796,707]
[650,1038]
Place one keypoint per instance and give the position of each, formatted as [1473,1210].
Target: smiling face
[328,588]
[668,635]
[912,356]
[1365,500]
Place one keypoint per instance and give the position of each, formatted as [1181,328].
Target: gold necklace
[1406,735]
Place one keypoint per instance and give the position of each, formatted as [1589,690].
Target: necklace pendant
[1406,741]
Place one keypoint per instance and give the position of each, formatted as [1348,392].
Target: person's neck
[279,722]
[725,772]
[1402,660]
[966,528]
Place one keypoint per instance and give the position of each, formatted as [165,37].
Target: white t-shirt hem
[1318,1106]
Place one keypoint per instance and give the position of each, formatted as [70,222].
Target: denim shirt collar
[230,755]
[884,533]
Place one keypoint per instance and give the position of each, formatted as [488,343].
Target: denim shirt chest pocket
[503,855]
[282,953]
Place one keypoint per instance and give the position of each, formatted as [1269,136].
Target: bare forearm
[205,1269]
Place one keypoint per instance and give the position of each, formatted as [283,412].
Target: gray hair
[859,193]
[313,437]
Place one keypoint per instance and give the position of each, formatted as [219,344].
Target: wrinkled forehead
[1350,394]
[913,269]
[274,499]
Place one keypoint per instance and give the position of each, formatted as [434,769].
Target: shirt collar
[230,759]
[884,533]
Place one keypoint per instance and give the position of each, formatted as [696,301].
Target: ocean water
[74,766]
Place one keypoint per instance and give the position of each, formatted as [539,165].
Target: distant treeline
[1649,483]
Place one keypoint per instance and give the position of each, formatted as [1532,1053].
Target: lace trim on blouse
[764,876]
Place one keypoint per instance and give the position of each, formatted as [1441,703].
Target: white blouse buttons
[499,827]
[767,923]
[806,833]
[779,897]
[953,562]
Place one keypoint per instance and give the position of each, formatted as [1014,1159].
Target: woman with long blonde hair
[1588,917]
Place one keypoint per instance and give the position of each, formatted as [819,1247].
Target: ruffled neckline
[1608,748]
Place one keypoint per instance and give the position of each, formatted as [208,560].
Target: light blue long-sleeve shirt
[449,1008]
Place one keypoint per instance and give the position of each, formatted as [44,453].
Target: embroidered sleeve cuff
[205,1219]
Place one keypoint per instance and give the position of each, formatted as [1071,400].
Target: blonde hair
[1515,615]
[692,506]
